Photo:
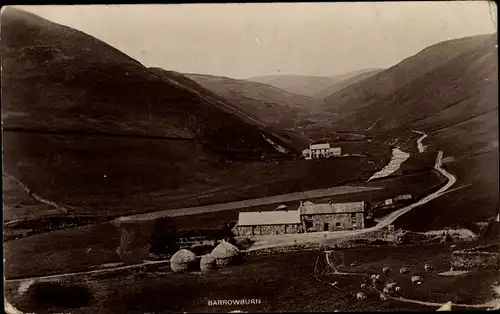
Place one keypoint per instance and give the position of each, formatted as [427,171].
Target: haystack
[182,260]
[207,262]
[225,253]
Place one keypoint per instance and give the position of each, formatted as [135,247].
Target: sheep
[385,291]
[397,289]
[404,270]
[377,276]
[363,286]
[428,267]
[361,296]
[383,297]
[386,270]
[390,286]
[353,264]
[416,279]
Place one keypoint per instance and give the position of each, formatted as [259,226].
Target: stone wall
[335,222]
[475,258]
[286,249]
[267,229]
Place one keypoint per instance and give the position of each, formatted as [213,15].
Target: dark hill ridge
[58,78]
[269,104]
[234,105]
[456,90]
[311,86]
[376,88]
[343,83]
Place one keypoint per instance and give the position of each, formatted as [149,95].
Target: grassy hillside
[311,86]
[265,108]
[59,79]
[449,91]
[380,87]
[343,83]
[272,105]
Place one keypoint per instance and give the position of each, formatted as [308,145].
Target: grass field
[283,283]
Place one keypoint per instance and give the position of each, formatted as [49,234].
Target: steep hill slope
[78,83]
[311,86]
[343,83]
[271,105]
[450,91]
[376,88]
[268,116]
[84,124]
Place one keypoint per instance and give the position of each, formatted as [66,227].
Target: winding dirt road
[421,148]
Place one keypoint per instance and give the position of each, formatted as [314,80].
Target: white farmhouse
[321,150]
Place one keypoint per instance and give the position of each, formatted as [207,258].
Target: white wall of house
[317,151]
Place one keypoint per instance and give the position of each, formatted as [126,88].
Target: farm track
[488,304]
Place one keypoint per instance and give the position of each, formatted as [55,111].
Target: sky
[246,40]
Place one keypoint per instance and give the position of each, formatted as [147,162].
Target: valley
[111,166]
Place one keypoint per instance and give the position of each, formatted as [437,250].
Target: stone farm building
[332,216]
[268,222]
[309,217]
[321,150]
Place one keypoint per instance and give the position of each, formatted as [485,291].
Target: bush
[53,294]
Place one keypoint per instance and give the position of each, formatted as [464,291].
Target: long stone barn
[268,222]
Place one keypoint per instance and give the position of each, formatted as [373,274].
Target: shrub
[53,294]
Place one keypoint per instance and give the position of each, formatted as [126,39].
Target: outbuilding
[268,222]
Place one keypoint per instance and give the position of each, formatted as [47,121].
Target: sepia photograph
[250,157]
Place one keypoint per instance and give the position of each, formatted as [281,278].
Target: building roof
[320,146]
[331,208]
[269,218]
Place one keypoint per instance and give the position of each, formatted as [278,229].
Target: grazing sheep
[361,296]
[383,297]
[363,286]
[416,279]
[404,270]
[428,267]
[386,270]
[377,276]
[385,291]
[390,286]
[398,289]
